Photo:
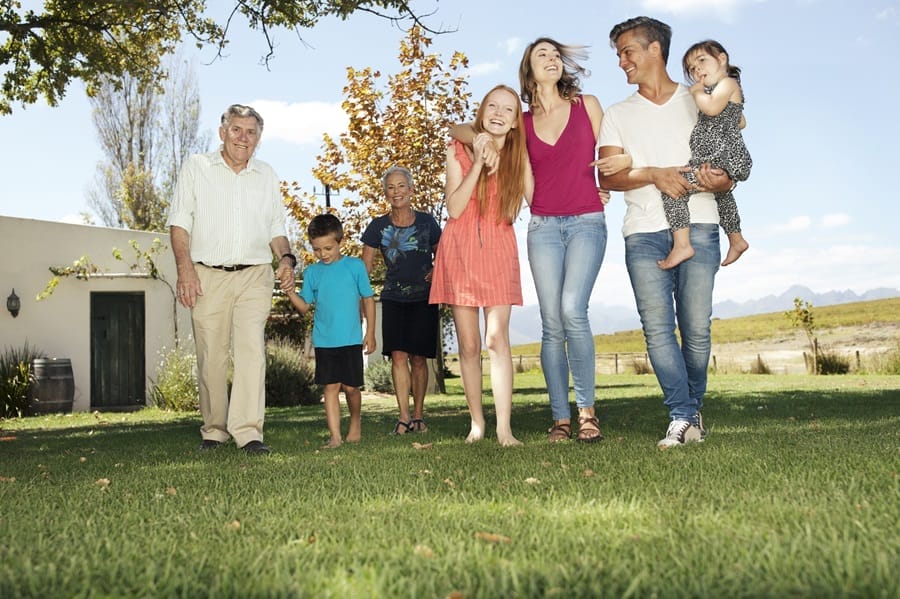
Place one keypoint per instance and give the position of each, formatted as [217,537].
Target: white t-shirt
[658,136]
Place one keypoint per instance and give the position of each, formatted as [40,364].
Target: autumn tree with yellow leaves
[407,124]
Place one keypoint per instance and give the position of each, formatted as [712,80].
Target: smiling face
[239,138]
[706,69]
[397,191]
[326,248]
[546,64]
[499,112]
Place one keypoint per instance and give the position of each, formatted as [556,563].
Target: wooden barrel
[53,389]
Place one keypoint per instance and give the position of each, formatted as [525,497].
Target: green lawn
[794,493]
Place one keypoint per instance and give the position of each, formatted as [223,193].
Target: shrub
[830,362]
[15,379]
[175,387]
[759,366]
[379,377]
[289,375]
[886,362]
[641,366]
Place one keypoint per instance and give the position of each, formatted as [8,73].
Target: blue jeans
[683,293]
[565,254]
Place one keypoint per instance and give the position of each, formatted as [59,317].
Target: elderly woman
[407,240]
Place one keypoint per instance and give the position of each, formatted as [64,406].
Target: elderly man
[654,126]
[227,219]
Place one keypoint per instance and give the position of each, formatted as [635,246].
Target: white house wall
[59,326]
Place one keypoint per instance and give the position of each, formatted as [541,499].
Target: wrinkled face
[326,248]
[546,63]
[707,69]
[501,109]
[633,57]
[239,138]
[397,190]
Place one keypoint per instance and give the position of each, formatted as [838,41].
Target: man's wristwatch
[292,258]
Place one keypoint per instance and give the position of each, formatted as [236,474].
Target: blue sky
[819,78]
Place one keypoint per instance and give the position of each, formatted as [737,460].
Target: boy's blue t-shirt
[335,289]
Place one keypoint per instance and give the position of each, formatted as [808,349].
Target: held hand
[285,276]
[187,287]
[428,275]
[486,152]
[670,182]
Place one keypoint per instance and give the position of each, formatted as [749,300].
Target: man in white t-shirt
[654,126]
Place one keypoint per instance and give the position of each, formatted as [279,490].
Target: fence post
[616,356]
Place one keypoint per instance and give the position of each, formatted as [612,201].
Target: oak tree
[42,51]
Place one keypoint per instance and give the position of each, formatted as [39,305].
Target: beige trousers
[229,321]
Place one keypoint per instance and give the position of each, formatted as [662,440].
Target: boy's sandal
[559,432]
[406,427]
[589,429]
[418,425]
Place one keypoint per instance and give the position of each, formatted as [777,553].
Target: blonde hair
[510,173]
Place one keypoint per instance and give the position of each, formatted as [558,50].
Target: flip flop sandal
[418,425]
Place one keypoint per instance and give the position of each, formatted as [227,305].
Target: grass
[754,328]
[794,493]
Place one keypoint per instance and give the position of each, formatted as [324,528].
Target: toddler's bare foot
[735,250]
[476,433]
[333,443]
[353,438]
[676,257]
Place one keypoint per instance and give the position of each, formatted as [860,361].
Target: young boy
[335,285]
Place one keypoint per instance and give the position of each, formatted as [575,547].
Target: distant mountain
[525,322]
[785,301]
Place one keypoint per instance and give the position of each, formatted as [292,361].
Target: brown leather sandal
[589,429]
[559,432]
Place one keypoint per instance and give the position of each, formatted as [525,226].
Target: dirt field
[784,355]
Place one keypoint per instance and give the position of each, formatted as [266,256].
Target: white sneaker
[700,425]
[679,433]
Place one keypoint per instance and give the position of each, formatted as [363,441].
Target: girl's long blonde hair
[509,177]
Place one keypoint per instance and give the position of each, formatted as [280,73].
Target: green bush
[15,379]
[378,376]
[830,362]
[289,375]
[175,387]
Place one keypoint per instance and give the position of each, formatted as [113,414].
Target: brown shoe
[559,432]
[589,429]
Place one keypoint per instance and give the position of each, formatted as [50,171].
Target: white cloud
[835,220]
[485,68]
[798,223]
[511,45]
[885,14]
[300,122]
[821,268]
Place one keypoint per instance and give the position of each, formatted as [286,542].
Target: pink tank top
[564,183]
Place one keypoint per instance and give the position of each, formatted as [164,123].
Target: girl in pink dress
[477,262]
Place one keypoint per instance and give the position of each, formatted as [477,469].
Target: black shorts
[339,365]
[410,327]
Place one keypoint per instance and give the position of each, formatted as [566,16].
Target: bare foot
[735,250]
[508,441]
[354,433]
[676,257]
[476,433]
[333,443]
